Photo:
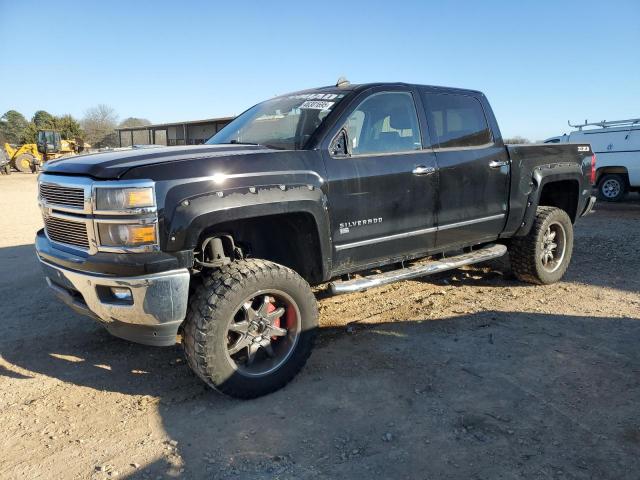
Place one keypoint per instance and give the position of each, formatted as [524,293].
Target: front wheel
[24,162]
[543,255]
[250,327]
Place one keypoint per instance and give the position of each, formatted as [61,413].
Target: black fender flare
[197,213]
[542,176]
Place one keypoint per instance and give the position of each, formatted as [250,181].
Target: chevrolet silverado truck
[216,245]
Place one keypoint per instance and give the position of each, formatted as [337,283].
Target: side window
[458,120]
[385,122]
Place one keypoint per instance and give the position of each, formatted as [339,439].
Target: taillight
[593,169]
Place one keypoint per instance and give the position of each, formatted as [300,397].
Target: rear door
[382,194]
[473,169]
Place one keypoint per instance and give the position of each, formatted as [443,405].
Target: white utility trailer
[617,148]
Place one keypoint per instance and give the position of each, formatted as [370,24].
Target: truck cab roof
[358,87]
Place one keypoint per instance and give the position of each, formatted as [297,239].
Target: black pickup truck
[217,244]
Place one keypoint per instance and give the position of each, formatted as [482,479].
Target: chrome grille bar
[64,196]
[66,231]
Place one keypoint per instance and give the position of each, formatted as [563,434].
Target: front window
[385,122]
[286,122]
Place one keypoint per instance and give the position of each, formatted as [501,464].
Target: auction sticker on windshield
[316,105]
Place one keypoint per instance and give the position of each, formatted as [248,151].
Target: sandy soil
[467,375]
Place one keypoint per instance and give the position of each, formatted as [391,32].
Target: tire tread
[216,289]
[522,250]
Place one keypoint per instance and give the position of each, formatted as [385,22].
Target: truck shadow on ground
[482,395]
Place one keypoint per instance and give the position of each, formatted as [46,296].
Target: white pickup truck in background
[617,146]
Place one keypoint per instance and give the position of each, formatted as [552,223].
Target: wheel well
[600,172]
[562,194]
[288,239]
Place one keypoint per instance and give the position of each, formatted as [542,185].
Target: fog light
[121,293]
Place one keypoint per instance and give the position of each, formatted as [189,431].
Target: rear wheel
[612,187]
[543,255]
[250,328]
[23,162]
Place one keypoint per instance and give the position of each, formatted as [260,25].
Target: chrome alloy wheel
[552,247]
[263,333]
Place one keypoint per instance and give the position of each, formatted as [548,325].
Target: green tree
[134,122]
[30,133]
[68,127]
[13,127]
[43,120]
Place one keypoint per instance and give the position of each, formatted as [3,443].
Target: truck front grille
[66,231]
[63,196]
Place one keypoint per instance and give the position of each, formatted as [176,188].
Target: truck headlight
[124,198]
[126,234]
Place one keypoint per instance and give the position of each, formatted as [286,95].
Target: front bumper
[152,315]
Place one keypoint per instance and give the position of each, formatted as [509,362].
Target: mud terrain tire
[543,255]
[212,323]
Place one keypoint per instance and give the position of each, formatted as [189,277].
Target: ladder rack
[606,124]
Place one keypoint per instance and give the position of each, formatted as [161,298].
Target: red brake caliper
[276,321]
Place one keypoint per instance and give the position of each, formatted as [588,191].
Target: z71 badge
[583,148]
[346,226]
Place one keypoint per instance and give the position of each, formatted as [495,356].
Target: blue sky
[540,62]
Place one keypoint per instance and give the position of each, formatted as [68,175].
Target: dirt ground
[468,375]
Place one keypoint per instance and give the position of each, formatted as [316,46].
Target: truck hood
[112,165]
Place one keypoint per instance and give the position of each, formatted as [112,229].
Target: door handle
[498,164]
[422,170]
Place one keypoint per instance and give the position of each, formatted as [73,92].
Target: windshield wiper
[236,142]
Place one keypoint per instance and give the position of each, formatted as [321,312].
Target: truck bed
[532,165]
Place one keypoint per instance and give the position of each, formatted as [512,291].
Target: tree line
[96,127]
[516,140]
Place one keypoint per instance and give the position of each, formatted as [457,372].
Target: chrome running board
[434,266]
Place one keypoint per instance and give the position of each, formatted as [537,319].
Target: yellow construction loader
[28,157]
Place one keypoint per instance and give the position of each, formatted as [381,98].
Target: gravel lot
[469,375]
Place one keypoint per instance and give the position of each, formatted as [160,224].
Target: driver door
[382,188]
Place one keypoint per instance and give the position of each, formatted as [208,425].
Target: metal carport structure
[191,132]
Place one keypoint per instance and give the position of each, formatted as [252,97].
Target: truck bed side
[534,168]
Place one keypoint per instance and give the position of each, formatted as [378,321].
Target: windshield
[285,122]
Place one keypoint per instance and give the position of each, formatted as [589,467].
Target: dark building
[192,132]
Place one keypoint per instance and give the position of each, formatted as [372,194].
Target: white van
[617,147]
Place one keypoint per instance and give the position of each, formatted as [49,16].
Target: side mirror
[340,145]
